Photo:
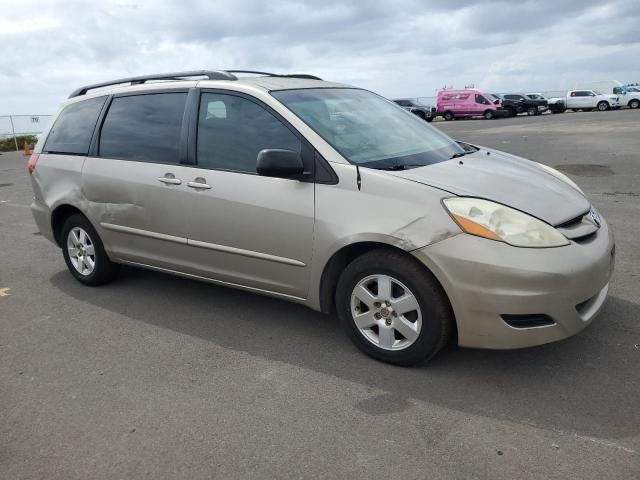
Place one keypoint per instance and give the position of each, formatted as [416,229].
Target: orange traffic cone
[27,149]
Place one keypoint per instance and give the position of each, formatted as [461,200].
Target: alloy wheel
[81,251]
[386,312]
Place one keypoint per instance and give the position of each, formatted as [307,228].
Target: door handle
[170,179]
[199,183]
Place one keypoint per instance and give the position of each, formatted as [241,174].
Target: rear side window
[232,130]
[144,128]
[74,126]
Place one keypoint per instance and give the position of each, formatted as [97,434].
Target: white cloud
[398,48]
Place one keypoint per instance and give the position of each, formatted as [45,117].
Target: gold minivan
[322,194]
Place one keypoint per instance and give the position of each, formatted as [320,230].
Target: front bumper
[485,279]
[501,113]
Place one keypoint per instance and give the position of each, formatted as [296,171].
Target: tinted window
[482,100]
[74,127]
[232,130]
[144,128]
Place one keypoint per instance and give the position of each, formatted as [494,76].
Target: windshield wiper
[458,155]
[399,166]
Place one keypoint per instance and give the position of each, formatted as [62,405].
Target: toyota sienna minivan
[326,195]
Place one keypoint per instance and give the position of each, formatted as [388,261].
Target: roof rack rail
[211,75]
[268,74]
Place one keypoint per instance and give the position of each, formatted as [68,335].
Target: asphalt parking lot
[160,377]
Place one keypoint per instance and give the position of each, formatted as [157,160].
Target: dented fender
[388,210]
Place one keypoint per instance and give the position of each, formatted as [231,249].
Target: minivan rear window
[71,133]
[145,128]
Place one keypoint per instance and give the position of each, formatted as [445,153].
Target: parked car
[425,112]
[256,183]
[517,103]
[627,95]
[585,100]
[469,102]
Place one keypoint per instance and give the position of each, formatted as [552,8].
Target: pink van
[469,102]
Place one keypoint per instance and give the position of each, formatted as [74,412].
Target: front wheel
[602,106]
[392,308]
[84,252]
[532,111]
[488,115]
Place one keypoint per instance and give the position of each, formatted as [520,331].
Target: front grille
[579,229]
[528,320]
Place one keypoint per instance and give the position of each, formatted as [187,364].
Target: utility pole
[15,139]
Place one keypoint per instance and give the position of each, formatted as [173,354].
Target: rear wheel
[449,116]
[602,106]
[488,115]
[392,308]
[635,103]
[84,253]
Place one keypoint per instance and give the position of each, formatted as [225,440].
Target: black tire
[531,111]
[635,103]
[488,115]
[448,116]
[437,315]
[104,270]
[603,106]
[429,118]
[519,109]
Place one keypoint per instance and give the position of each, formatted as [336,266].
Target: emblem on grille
[595,216]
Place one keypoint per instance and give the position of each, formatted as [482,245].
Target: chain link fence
[15,130]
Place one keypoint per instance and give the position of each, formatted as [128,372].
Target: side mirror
[279,163]
[497,101]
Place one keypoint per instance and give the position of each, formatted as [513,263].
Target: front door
[242,228]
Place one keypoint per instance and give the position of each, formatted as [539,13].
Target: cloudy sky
[400,48]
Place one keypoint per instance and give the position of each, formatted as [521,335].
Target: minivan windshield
[369,130]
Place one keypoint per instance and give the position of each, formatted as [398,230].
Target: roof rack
[268,74]
[210,74]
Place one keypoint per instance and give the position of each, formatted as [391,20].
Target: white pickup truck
[585,100]
[628,95]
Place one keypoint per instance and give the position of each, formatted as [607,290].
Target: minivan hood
[506,179]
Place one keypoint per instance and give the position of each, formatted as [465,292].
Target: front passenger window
[232,130]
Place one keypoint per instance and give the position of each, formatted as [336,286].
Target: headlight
[497,222]
[561,176]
